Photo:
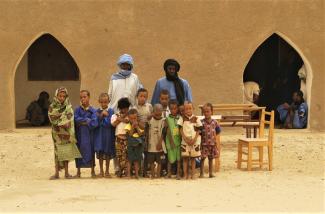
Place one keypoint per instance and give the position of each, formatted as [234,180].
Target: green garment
[62,120]
[174,154]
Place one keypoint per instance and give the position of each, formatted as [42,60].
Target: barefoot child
[155,151]
[210,145]
[61,118]
[173,138]
[104,135]
[190,147]
[86,121]
[135,142]
[119,121]
[144,113]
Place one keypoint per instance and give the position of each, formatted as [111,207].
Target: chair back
[268,119]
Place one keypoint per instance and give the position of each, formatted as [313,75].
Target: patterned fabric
[62,120]
[208,151]
[190,128]
[155,133]
[173,135]
[121,153]
[209,130]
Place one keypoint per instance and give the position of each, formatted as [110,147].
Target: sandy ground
[295,185]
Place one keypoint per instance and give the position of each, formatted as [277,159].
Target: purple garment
[104,135]
[85,122]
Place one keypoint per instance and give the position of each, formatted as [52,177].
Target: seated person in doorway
[37,111]
[294,115]
[251,96]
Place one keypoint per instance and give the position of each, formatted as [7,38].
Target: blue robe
[104,135]
[85,123]
[163,83]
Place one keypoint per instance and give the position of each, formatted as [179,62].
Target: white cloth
[123,88]
[250,88]
[119,129]
[144,111]
[155,133]
[189,128]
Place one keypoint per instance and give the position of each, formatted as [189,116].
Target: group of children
[141,139]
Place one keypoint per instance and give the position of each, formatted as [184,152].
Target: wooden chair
[259,143]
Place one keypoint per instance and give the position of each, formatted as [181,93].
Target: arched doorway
[274,66]
[45,66]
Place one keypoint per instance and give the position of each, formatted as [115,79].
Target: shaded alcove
[274,66]
[45,66]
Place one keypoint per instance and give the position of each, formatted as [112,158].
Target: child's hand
[193,119]
[135,124]
[150,116]
[67,125]
[159,146]
[172,145]
[104,113]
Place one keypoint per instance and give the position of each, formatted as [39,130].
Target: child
[104,135]
[155,151]
[173,139]
[164,100]
[210,144]
[191,139]
[144,113]
[135,142]
[119,121]
[86,121]
[61,117]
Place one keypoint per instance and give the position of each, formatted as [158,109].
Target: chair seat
[253,139]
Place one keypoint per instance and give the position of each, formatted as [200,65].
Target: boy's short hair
[85,91]
[157,106]
[209,105]
[102,95]
[164,92]
[172,102]
[132,111]
[123,103]
[141,90]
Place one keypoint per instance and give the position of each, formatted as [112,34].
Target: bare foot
[68,176]
[54,177]
[78,175]
[93,175]
[101,175]
[212,176]
[107,175]
[201,176]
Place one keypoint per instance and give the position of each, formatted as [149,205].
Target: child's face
[61,96]
[188,110]
[124,111]
[164,99]
[157,113]
[142,97]
[181,110]
[133,118]
[84,99]
[207,112]
[103,101]
[173,109]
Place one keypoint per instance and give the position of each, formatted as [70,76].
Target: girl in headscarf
[179,89]
[124,83]
[62,120]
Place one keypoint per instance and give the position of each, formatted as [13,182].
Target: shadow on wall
[45,66]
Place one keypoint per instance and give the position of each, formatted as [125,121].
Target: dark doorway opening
[45,66]
[274,66]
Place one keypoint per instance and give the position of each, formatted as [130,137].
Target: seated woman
[294,115]
[37,111]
